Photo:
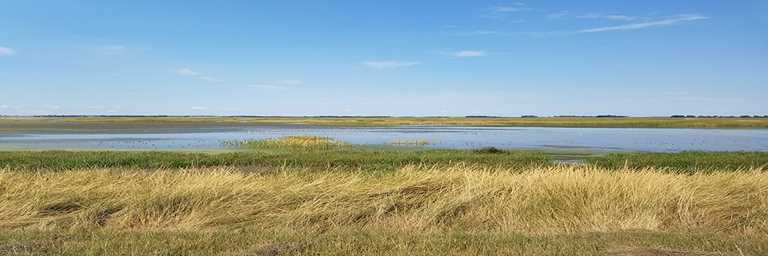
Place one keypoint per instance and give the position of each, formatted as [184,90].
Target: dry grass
[547,200]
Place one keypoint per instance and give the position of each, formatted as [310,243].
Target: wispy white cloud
[188,72]
[608,17]
[283,84]
[503,12]
[558,15]
[513,7]
[267,86]
[199,108]
[648,24]
[209,79]
[459,31]
[5,51]
[114,49]
[477,33]
[469,54]
[4,106]
[389,64]
[291,82]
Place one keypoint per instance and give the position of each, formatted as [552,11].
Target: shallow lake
[592,139]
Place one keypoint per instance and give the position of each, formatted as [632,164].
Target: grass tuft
[490,150]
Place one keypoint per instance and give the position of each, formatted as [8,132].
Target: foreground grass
[256,243]
[310,195]
[461,209]
[539,200]
[74,124]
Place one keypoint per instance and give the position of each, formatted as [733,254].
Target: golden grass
[546,200]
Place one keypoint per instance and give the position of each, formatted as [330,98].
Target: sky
[397,57]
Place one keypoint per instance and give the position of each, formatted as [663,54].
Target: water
[593,139]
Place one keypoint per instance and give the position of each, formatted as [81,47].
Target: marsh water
[592,139]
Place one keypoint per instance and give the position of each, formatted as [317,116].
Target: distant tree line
[598,116]
[348,116]
[717,116]
[483,117]
[472,116]
[107,116]
[566,116]
[208,116]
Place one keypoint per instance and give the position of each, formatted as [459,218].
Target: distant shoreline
[85,123]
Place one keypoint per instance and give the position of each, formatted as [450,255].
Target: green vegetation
[684,161]
[268,156]
[86,124]
[338,158]
[288,242]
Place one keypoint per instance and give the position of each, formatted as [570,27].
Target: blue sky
[383,57]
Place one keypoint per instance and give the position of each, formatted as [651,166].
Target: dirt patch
[273,250]
[12,248]
[60,208]
[269,250]
[656,252]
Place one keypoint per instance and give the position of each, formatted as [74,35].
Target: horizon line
[406,116]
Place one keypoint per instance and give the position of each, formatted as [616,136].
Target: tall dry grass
[542,200]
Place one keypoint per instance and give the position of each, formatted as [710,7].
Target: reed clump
[305,141]
[410,142]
